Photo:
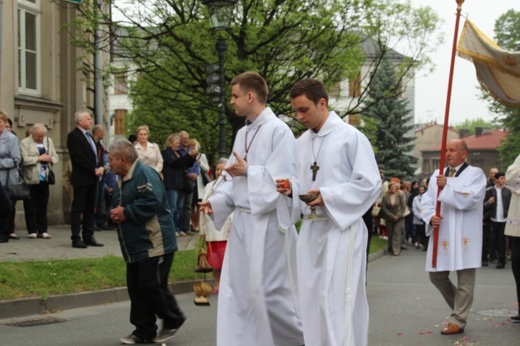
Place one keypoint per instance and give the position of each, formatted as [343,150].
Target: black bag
[51,178]
[187,184]
[205,177]
[18,191]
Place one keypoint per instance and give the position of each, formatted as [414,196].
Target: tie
[91,142]
[452,172]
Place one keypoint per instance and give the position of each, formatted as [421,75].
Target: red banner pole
[445,129]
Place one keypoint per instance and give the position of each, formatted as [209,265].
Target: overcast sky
[431,90]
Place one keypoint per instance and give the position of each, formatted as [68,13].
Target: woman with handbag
[10,159]
[394,207]
[38,155]
[175,177]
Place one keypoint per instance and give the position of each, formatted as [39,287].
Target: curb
[35,306]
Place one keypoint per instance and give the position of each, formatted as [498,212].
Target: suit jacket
[84,161]
[490,210]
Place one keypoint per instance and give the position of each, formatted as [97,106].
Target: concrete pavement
[405,309]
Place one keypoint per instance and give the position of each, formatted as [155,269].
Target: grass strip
[45,278]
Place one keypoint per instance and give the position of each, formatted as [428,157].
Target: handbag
[205,177]
[187,186]
[51,178]
[18,191]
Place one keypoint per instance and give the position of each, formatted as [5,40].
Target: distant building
[426,137]
[482,153]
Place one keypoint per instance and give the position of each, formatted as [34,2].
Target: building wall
[63,90]
[485,159]
[426,138]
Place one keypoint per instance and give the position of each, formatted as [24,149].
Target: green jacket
[148,230]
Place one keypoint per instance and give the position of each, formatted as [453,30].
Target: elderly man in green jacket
[146,233]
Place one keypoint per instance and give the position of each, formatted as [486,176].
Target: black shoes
[83,245]
[500,265]
[93,242]
[134,339]
[78,244]
[515,319]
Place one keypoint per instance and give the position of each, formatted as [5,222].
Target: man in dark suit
[86,170]
[496,205]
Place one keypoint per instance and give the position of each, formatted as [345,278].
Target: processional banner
[498,70]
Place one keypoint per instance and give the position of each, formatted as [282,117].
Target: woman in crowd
[198,192]
[417,219]
[175,176]
[216,240]
[10,160]
[394,206]
[513,226]
[149,153]
[38,155]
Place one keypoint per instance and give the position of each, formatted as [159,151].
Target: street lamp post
[220,17]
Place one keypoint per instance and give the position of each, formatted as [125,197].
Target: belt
[318,218]
[244,210]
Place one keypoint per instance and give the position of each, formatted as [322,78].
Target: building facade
[44,79]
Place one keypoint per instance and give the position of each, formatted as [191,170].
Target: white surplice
[460,231]
[332,251]
[258,298]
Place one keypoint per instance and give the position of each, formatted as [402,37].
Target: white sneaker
[44,235]
[32,236]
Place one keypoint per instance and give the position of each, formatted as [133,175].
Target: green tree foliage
[392,117]
[169,43]
[471,124]
[507,35]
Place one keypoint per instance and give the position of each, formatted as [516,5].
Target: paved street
[405,309]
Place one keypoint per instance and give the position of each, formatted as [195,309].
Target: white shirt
[500,206]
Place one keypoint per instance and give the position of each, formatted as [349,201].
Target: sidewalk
[60,248]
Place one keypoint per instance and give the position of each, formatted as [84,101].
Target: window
[29,47]
[119,121]
[120,82]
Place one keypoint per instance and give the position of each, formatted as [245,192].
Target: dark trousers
[515,265]
[83,203]
[150,297]
[486,236]
[186,212]
[36,208]
[499,239]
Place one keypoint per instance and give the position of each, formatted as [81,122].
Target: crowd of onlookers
[88,179]
[397,217]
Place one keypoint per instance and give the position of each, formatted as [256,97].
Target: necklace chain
[246,146]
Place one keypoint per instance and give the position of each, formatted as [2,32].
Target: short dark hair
[312,88]
[252,81]
[499,174]
[132,138]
